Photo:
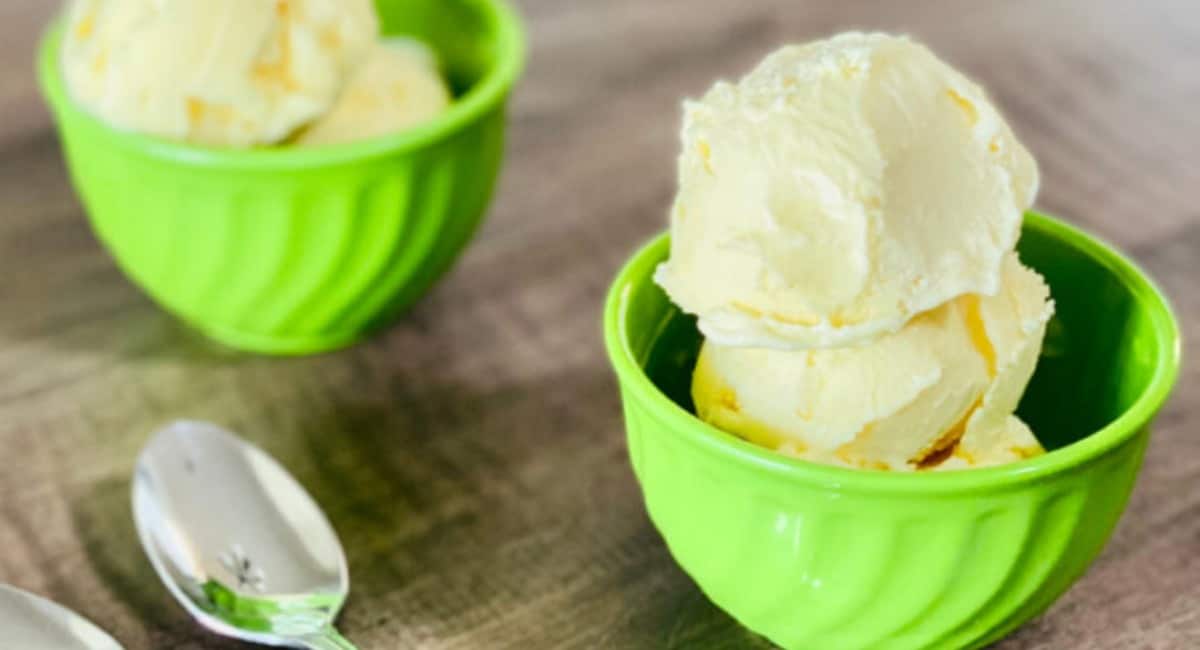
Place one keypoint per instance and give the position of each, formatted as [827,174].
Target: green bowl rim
[690,428]
[483,97]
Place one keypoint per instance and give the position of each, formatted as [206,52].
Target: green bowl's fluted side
[828,558]
[302,250]
[293,262]
[811,567]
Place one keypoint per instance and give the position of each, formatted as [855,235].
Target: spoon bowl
[237,541]
[30,621]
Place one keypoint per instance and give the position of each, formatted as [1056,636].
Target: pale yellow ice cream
[945,385]
[1014,441]
[397,87]
[214,72]
[1014,325]
[837,191]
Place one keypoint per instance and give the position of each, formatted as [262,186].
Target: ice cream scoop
[214,72]
[398,86]
[839,190]
[944,385]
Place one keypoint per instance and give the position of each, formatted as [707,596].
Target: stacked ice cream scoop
[844,231]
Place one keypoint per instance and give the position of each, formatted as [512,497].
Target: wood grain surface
[472,456]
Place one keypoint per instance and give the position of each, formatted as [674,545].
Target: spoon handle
[327,639]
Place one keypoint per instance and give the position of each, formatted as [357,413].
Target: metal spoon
[237,540]
[29,621]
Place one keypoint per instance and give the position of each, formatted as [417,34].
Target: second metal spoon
[28,621]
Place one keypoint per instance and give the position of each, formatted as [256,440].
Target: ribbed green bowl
[827,558]
[293,251]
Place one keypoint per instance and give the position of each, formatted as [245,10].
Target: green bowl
[292,251]
[816,556]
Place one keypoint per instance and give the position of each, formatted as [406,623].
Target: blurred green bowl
[293,251]
[815,556]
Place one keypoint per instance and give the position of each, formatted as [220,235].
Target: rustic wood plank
[472,456]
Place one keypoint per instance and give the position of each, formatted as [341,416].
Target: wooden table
[472,456]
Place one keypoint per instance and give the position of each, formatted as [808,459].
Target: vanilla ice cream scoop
[944,384]
[398,86]
[837,191]
[214,72]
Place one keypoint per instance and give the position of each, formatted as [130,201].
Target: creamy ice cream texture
[242,73]
[844,231]
[215,72]
[397,87]
[837,191]
[943,386]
